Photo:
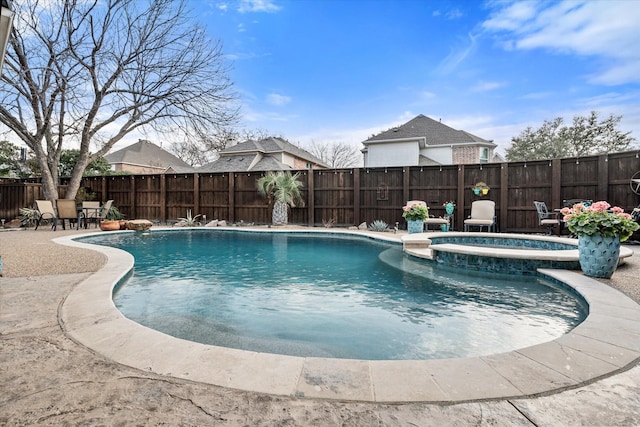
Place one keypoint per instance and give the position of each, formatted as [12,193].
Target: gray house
[423,141]
[145,157]
[269,154]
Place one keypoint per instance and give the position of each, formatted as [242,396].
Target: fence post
[504,198]
[231,198]
[556,183]
[163,198]
[603,177]
[196,193]
[132,196]
[356,196]
[461,188]
[406,182]
[311,205]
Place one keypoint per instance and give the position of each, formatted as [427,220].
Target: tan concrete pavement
[48,379]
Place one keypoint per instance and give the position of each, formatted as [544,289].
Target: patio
[49,379]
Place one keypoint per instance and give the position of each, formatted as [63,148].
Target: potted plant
[445,227]
[282,191]
[415,214]
[480,188]
[600,229]
[113,220]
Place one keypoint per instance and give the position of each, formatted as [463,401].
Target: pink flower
[617,210]
[567,217]
[565,211]
[406,208]
[625,215]
[600,206]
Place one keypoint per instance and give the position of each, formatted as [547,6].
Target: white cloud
[488,86]
[457,56]
[454,14]
[600,29]
[278,100]
[258,6]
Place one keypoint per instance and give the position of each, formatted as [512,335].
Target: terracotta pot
[110,225]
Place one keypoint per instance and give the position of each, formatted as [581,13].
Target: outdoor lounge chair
[546,218]
[67,211]
[483,214]
[46,212]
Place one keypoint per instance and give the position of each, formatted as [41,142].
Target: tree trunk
[280,215]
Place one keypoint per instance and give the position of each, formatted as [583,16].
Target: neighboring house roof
[272,145]
[258,156]
[145,153]
[254,162]
[431,131]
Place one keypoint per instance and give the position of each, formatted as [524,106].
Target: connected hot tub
[498,252]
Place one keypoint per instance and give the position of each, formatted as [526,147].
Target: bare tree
[87,73]
[337,154]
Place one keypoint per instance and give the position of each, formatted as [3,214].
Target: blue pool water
[317,295]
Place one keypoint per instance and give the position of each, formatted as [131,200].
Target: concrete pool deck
[596,368]
[588,352]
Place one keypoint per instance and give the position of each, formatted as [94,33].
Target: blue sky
[342,70]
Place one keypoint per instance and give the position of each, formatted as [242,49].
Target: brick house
[423,141]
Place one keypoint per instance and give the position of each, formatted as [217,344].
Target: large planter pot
[444,227]
[598,255]
[110,225]
[415,225]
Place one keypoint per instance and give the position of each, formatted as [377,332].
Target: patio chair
[546,218]
[91,212]
[483,214]
[67,211]
[46,212]
[569,203]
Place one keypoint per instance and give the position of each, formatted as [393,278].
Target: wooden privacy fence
[351,196]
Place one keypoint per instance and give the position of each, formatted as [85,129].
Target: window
[484,155]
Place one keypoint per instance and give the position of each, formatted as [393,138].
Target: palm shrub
[282,191]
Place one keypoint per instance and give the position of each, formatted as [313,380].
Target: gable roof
[244,162]
[145,153]
[433,132]
[270,146]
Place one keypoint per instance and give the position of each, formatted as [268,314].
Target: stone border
[607,342]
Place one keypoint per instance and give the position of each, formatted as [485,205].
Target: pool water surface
[340,297]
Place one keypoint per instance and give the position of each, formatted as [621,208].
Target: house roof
[145,153]
[254,155]
[433,132]
[244,162]
[270,146]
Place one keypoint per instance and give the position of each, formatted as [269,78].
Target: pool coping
[607,342]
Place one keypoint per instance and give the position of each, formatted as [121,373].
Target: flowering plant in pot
[415,211]
[600,229]
[599,218]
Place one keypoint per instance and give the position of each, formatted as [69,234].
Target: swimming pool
[232,288]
